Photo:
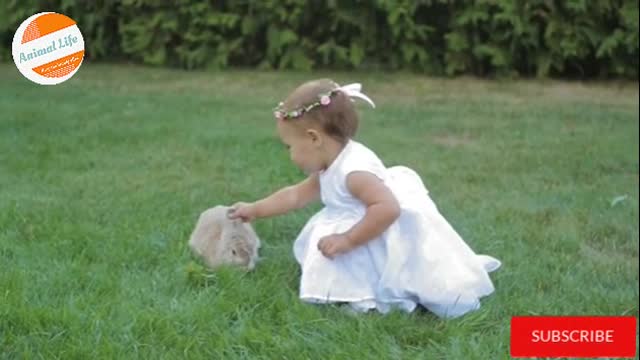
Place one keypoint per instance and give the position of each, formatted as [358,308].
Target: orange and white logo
[48,48]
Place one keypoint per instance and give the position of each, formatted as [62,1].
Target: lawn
[102,179]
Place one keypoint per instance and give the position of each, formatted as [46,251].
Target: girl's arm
[281,202]
[382,207]
[382,210]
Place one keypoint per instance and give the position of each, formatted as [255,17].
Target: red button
[573,336]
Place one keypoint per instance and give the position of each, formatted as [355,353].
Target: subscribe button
[573,336]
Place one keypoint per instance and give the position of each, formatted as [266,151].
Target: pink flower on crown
[325,100]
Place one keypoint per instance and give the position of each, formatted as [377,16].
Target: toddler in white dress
[380,242]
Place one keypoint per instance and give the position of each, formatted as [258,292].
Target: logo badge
[48,48]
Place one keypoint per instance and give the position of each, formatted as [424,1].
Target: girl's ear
[315,136]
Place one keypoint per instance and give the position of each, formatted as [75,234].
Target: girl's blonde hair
[338,119]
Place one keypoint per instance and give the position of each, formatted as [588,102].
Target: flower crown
[324,99]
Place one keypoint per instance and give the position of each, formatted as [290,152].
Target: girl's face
[304,146]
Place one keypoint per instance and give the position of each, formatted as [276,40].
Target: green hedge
[576,38]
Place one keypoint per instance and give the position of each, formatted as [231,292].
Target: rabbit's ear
[212,225]
[206,234]
[227,230]
[215,231]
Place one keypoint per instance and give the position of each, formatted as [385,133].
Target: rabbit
[219,240]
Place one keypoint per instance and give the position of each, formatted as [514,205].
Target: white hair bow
[353,90]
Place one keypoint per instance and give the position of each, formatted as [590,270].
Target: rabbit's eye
[233,252]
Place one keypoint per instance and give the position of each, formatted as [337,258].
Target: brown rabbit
[219,240]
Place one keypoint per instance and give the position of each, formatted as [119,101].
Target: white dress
[419,259]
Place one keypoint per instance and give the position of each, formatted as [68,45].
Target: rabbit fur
[219,240]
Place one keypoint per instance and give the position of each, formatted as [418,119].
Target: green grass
[103,177]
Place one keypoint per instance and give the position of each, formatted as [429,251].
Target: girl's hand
[243,211]
[335,244]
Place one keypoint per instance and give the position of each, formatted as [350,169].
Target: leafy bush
[577,38]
